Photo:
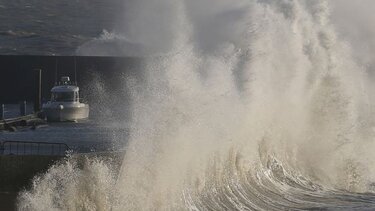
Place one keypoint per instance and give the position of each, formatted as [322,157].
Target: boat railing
[33,148]
[82,100]
[62,83]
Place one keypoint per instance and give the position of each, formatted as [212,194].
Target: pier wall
[16,172]
[17,81]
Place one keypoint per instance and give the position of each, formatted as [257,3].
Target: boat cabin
[65,91]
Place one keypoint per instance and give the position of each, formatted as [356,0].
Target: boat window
[63,96]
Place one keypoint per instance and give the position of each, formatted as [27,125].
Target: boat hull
[65,114]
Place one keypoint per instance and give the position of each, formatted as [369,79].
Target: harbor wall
[17,81]
[17,172]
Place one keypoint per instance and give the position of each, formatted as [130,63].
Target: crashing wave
[278,120]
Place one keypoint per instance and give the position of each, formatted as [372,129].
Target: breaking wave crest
[277,118]
[111,44]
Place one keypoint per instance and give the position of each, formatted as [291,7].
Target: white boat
[65,103]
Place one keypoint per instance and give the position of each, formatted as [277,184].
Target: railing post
[2,110]
[23,106]
[38,90]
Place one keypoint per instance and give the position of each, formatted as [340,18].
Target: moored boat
[65,103]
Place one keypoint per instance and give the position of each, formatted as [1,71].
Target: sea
[242,104]
[54,27]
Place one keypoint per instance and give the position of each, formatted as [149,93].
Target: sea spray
[274,118]
[76,183]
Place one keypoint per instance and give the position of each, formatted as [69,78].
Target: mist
[355,22]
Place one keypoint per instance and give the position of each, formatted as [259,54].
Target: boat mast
[75,71]
[56,70]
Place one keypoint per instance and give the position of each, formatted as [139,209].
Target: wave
[19,34]
[111,44]
[90,183]
[277,118]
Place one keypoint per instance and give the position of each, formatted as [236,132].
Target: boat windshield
[63,96]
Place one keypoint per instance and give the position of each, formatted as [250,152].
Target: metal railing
[33,148]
